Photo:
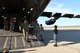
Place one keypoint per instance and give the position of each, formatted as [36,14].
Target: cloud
[59,7]
[54,7]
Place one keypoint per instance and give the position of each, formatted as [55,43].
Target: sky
[63,6]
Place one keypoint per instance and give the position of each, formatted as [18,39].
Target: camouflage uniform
[25,29]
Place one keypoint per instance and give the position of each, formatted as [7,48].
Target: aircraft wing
[68,15]
[57,16]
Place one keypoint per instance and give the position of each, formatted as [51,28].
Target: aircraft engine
[50,22]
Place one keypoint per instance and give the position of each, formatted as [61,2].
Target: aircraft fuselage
[29,8]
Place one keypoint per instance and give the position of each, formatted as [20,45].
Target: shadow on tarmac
[71,36]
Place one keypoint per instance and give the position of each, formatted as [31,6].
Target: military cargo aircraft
[32,9]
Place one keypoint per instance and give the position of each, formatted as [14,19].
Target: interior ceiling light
[3,7]
[23,8]
[31,9]
[28,11]
[2,16]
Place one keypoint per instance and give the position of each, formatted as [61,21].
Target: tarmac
[68,42]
